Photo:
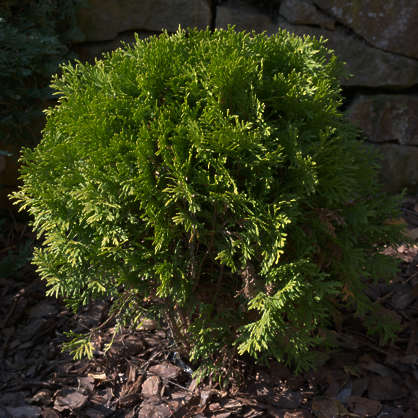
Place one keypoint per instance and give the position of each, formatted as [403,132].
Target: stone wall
[377,39]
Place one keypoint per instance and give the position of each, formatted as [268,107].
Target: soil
[142,376]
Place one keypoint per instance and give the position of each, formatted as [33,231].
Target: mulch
[143,376]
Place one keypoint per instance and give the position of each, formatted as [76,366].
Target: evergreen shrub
[210,178]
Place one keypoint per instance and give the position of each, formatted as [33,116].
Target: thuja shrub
[211,179]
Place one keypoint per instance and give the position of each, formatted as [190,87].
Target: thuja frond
[79,346]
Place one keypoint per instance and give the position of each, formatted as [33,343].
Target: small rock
[364,407]
[151,386]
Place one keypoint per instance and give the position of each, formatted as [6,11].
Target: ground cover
[141,375]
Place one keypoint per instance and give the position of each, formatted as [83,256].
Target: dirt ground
[141,376]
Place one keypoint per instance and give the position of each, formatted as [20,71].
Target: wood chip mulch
[141,375]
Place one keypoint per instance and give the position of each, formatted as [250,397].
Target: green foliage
[210,178]
[79,345]
[34,39]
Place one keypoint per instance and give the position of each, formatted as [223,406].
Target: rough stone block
[390,24]
[103,20]
[370,67]
[244,17]
[301,12]
[387,117]
[88,51]
[399,167]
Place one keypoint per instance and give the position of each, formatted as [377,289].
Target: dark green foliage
[211,177]
[34,39]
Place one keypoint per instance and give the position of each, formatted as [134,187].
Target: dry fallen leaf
[165,370]
[69,399]
[151,387]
